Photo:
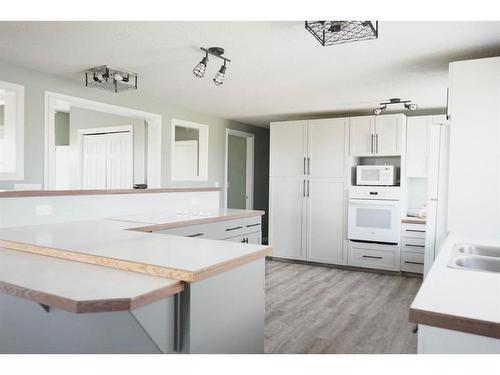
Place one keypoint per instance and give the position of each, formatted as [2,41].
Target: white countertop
[461,293]
[78,287]
[111,240]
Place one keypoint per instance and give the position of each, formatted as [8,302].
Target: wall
[80,118]
[62,128]
[36,83]
[236,171]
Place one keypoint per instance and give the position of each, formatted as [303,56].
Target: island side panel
[25,327]
[225,313]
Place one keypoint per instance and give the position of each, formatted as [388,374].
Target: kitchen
[359,228]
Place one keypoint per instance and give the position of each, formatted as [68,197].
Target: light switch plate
[44,210]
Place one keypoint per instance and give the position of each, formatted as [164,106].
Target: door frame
[107,130]
[60,102]
[250,168]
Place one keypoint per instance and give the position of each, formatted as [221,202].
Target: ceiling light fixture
[199,70]
[110,79]
[383,106]
[339,32]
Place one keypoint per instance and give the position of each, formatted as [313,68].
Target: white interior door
[361,135]
[288,148]
[119,161]
[287,224]
[326,147]
[94,161]
[186,159]
[107,161]
[326,212]
[64,165]
[388,132]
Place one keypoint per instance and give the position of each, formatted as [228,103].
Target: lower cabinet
[253,238]
[371,255]
[307,219]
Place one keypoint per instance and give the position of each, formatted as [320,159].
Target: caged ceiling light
[383,106]
[199,70]
[110,79]
[339,32]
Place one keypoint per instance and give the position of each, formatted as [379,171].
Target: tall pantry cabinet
[308,189]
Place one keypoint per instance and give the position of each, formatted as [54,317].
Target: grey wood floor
[312,309]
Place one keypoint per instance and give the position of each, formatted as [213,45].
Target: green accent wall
[236,172]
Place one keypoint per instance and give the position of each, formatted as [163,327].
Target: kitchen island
[113,285]
[458,310]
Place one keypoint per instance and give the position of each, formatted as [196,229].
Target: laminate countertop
[78,287]
[457,299]
[167,220]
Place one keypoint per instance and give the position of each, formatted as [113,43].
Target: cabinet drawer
[234,228]
[413,230]
[408,241]
[199,231]
[412,262]
[373,258]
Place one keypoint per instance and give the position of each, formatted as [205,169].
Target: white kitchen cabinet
[253,238]
[417,145]
[313,148]
[361,131]
[376,135]
[325,225]
[326,147]
[287,217]
[288,148]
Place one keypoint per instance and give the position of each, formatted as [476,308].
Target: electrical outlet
[44,210]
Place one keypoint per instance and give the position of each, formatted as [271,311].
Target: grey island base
[64,290]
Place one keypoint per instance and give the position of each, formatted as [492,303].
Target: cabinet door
[253,238]
[388,133]
[286,218]
[361,131]
[288,148]
[417,145]
[326,212]
[326,147]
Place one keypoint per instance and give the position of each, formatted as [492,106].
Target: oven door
[374,220]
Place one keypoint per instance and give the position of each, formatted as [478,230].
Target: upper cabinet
[314,148]
[376,135]
[417,143]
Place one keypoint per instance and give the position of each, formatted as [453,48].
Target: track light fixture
[110,79]
[383,106]
[199,70]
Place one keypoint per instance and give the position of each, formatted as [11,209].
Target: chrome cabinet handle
[372,149]
[376,143]
[408,262]
[235,228]
[308,165]
[303,188]
[196,235]
[411,245]
[415,230]
[371,257]
[253,225]
[304,165]
[308,188]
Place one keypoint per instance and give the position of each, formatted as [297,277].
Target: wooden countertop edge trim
[230,264]
[54,193]
[455,323]
[186,223]
[148,269]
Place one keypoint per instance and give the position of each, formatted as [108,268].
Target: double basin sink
[475,258]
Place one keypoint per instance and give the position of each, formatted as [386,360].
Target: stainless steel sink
[487,251]
[475,258]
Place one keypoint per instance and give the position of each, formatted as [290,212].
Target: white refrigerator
[437,191]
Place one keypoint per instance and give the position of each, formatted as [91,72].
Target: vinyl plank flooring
[314,309]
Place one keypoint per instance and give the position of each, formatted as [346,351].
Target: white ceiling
[279,70]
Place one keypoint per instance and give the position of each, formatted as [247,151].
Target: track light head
[199,70]
[219,77]
[410,106]
[378,111]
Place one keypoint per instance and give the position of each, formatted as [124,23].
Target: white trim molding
[55,101]
[202,152]
[13,130]
[250,138]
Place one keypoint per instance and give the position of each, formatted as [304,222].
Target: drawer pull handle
[415,230]
[372,257]
[409,262]
[196,235]
[253,225]
[235,228]
[410,245]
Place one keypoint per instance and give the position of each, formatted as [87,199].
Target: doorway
[239,169]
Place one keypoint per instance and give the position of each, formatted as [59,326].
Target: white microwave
[376,175]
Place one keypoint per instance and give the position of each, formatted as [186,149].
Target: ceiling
[278,69]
